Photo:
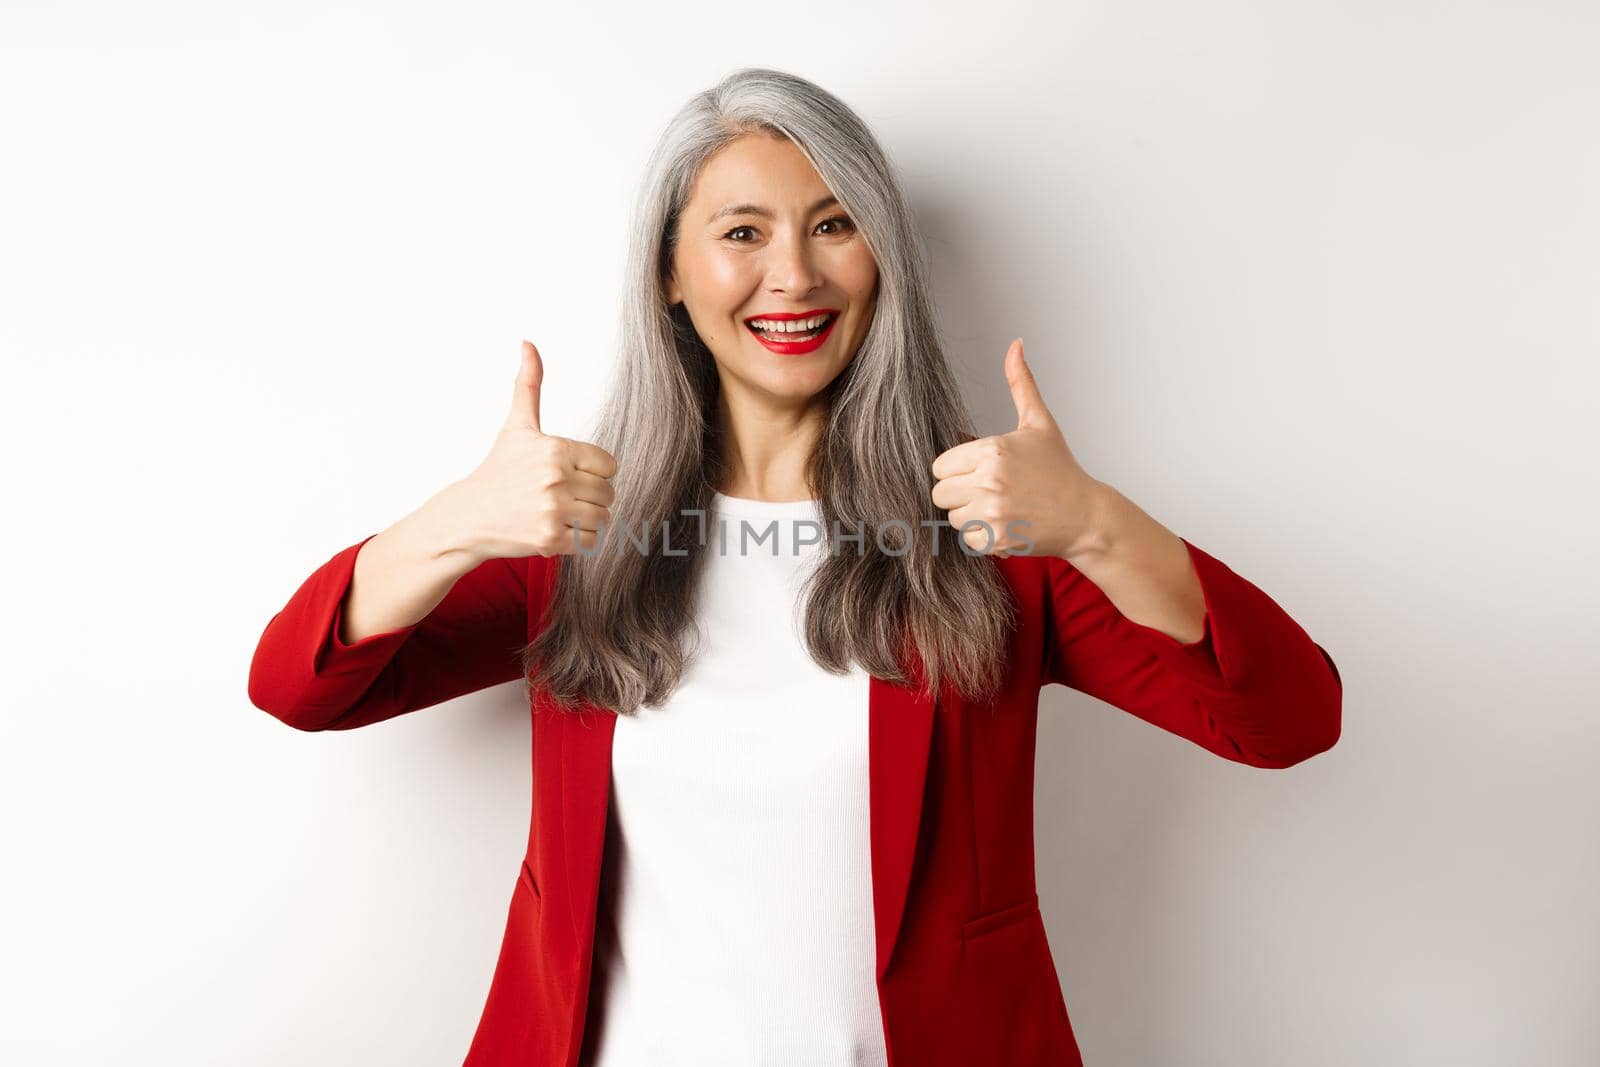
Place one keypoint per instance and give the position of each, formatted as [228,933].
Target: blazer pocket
[1010,915]
[527,881]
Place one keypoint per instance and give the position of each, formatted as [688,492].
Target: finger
[587,541]
[1030,405]
[592,488]
[980,536]
[525,394]
[951,493]
[584,515]
[594,459]
[570,541]
[962,459]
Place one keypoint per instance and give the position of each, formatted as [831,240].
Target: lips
[800,346]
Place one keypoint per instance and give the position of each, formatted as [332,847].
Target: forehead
[756,169]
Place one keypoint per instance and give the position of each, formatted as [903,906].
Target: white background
[1314,283]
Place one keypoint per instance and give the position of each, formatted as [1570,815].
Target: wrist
[1102,529]
[440,536]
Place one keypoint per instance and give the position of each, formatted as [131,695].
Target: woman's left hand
[1025,484]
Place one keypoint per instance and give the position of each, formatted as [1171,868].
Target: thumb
[525,394]
[1031,409]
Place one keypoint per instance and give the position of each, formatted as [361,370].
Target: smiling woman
[782,799]
[798,358]
[767,205]
[722,275]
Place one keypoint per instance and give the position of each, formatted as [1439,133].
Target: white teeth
[789,326]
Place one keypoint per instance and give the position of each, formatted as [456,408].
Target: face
[762,238]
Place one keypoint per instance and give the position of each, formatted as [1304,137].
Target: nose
[791,268]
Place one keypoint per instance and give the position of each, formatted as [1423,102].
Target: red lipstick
[797,347]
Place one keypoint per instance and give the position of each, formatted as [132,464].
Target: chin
[799,391]
[798,385]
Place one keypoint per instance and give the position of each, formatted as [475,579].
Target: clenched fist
[533,488]
[1025,485]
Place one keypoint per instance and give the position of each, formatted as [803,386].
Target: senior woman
[784,625]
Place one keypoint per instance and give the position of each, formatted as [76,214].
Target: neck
[768,449]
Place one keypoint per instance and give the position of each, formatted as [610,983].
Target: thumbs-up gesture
[531,490]
[1025,484]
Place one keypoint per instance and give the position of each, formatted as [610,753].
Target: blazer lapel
[899,732]
[586,795]
[899,728]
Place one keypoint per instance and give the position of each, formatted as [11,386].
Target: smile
[789,334]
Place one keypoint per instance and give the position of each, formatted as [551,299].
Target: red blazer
[965,975]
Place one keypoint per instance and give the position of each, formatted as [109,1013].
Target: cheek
[859,274]
[720,281]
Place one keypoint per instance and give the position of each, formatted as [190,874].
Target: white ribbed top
[735,924]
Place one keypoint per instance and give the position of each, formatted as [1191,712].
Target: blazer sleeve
[1254,688]
[304,675]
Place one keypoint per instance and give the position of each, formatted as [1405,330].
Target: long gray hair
[617,618]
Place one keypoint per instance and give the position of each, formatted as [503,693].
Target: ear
[671,285]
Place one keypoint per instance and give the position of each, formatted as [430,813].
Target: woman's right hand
[531,490]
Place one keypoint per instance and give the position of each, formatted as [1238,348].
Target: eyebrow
[757,209]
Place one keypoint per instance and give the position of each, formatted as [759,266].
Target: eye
[840,219]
